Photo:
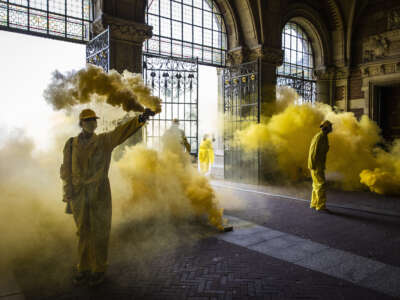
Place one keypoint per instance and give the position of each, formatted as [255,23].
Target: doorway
[389,111]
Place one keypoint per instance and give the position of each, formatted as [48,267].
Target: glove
[145,115]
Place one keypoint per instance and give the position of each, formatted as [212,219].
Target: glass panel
[198,3]
[74,8]
[216,39]
[207,20]
[207,52]
[177,47]
[56,24]
[165,6]
[298,64]
[153,7]
[187,14]
[165,27]
[197,17]
[154,45]
[39,4]
[187,33]
[67,19]
[176,11]
[18,17]
[3,14]
[197,24]
[74,30]
[197,34]
[19,2]
[177,30]
[207,37]
[153,21]
[165,46]
[57,6]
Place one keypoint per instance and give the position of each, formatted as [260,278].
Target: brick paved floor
[181,261]
[368,235]
[214,269]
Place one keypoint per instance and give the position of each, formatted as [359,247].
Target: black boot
[96,278]
[81,278]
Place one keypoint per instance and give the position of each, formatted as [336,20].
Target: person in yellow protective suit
[206,154]
[316,163]
[86,186]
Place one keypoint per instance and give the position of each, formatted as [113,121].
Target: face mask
[89,126]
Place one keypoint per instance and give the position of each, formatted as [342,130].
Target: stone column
[126,41]
[270,58]
[325,92]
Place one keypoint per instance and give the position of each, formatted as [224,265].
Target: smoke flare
[126,91]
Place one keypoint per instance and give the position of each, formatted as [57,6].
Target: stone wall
[375,53]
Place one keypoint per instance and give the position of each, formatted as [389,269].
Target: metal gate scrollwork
[98,50]
[241,108]
[175,81]
[305,88]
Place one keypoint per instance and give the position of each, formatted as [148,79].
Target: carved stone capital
[365,71]
[122,30]
[325,73]
[393,19]
[267,55]
[342,73]
[236,56]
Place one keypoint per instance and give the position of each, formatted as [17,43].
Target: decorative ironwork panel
[188,29]
[298,65]
[175,81]
[304,87]
[98,50]
[241,108]
[61,19]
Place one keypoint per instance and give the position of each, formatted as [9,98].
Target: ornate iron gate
[241,108]
[175,81]
[306,88]
[98,50]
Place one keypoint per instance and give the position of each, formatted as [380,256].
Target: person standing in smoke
[206,154]
[316,163]
[174,130]
[86,188]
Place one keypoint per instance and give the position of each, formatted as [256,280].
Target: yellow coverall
[316,163]
[206,155]
[85,176]
[176,132]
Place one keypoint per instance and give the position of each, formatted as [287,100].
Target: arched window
[188,29]
[61,19]
[298,63]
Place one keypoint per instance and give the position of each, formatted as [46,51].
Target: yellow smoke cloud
[164,183]
[155,188]
[286,136]
[385,178]
[126,91]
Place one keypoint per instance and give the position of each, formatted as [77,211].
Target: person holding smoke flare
[206,154]
[86,188]
[316,163]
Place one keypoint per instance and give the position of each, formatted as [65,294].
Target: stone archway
[312,23]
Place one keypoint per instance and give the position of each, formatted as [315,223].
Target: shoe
[324,211]
[81,278]
[96,278]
